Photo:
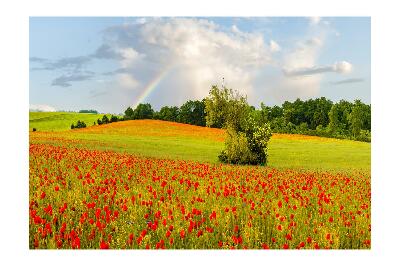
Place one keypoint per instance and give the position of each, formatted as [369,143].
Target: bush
[365,135]
[248,147]
[79,124]
[248,133]
[236,149]
[113,119]
[105,120]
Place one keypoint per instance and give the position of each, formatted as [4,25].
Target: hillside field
[58,121]
[161,139]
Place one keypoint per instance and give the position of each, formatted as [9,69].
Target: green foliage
[357,118]
[225,108]
[167,113]
[105,120]
[79,124]
[88,111]
[128,113]
[114,119]
[237,149]
[247,128]
[143,111]
[192,112]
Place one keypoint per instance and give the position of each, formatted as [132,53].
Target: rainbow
[152,85]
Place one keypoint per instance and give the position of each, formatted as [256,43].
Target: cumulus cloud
[106,52]
[200,51]
[127,81]
[347,81]
[41,108]
[274,46]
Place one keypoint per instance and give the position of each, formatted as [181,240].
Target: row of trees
[318,116]
[91,111]
[106,120]
[191,112]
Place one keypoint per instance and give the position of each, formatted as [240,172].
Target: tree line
[319,117]
[191,112]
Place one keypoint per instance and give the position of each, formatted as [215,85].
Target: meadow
[58,121]
[162,139]
[156,184]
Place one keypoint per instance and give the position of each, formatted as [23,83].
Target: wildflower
[182,233]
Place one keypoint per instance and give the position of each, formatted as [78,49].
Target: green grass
[58,121]
[316,154]
[141,138]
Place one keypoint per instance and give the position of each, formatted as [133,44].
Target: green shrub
[105,120]
[365,135]
[79,124]
[236,149]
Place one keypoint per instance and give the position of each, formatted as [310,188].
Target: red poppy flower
[265,246]
[182,233]
[104,245]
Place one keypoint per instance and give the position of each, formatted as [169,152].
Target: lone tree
[247,135]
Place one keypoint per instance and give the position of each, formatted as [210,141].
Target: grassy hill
[57,121]
[163,139]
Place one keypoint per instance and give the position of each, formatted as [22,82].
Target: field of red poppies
[86,199]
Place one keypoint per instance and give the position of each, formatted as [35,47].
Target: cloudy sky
[109,64]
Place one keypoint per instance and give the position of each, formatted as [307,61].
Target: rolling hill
[162,139]
[58,121]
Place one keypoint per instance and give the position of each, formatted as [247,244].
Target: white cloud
[201,52]
[274,46]
[127,81]
[192,54]
[314,20]
[41,108]
[342,67]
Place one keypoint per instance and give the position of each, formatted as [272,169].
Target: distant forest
[319,117]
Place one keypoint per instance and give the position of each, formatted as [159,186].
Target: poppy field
[85,198]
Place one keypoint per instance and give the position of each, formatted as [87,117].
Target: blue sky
[108,64]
